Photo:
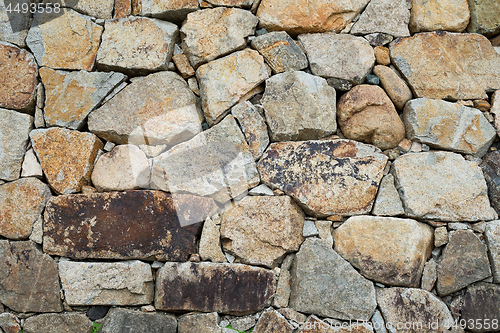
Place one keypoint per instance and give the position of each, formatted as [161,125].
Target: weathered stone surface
[492,236]
[382,56]
[102,9]
[260,230]
[429,275]
[282,295]
[130,321]
[315,325]
[319,284]
[340,56]
[231,171]
[330,177]
[151,225]
[211,33]
[14,135]
[137,44]
[28,281]
[484,17]
[253,127]
[210,247]
[272,321]
[439,15]
[123,9]
[481,302]
[13,26]
[199,322]
[308,16]
[172,11]
[126,167]
[232,3]
[66,156]
[366,113]
[155,109]
[31,167]
[387,202]
[395,87]
[440,236]
[299,106]
[242,71]
[181,61]
[71,96]
[442,186]
[436,68]
[449,126]
[10,323]
[388,250]
[211,287]
[67,41]
[378,39]
[106,283]
[418,307]
[463,262]
[61,323]
[18,78]
[21,203]
[384,16]
[491,171]
[280,51]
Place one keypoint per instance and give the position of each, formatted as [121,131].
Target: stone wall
[250,166]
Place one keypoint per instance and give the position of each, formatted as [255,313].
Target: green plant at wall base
[249,331]
[96,327]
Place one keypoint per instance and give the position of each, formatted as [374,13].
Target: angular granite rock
[448,126]
[385,249]
[330,177]
[272,321]
[66,156]
[324,284]
[21,204]
[280,51]
[70,322]
[209,247]
[123,9]
[261,229]
[126,167]
[65,40]
[439,15]
[211,33]
[299,106]
[296,17]
[106,283]
[199,322]
[232,3]
[315,325]
[253,127]
[384,16]
[481,305]
[492,237]
[429,275]
[421,309]
[29,281]
[211,287]
[366,113]
[435,67]
[172,11]
[9,323]
[395,87]
[491,171]
[18,78]
[31,167]
[341,56]
[136,44]
[224,81]
[71,96]
[484,17]
[387,202]
[464,261]
[229,172]
[155,109]
[442,186]
[14,26]
[14,136]
[125,225]
[129,321]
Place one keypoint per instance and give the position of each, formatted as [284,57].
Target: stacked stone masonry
[265,166]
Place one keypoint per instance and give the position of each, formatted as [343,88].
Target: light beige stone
[171,10]
[260,230]
[13,26]
[325,231]
[492,237]
[31,167]
[429,275]
[440,236]
[442,15]
[67,41]
[198,322]
[389,250]
[253,127]
[224,82]
[67,157]
[137,44]
[387,202]
[102,9]
[210,246]
[390,17]
[395,87]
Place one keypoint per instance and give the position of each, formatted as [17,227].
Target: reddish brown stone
[208,287]
[18,78]
[125,225]
[123,8]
